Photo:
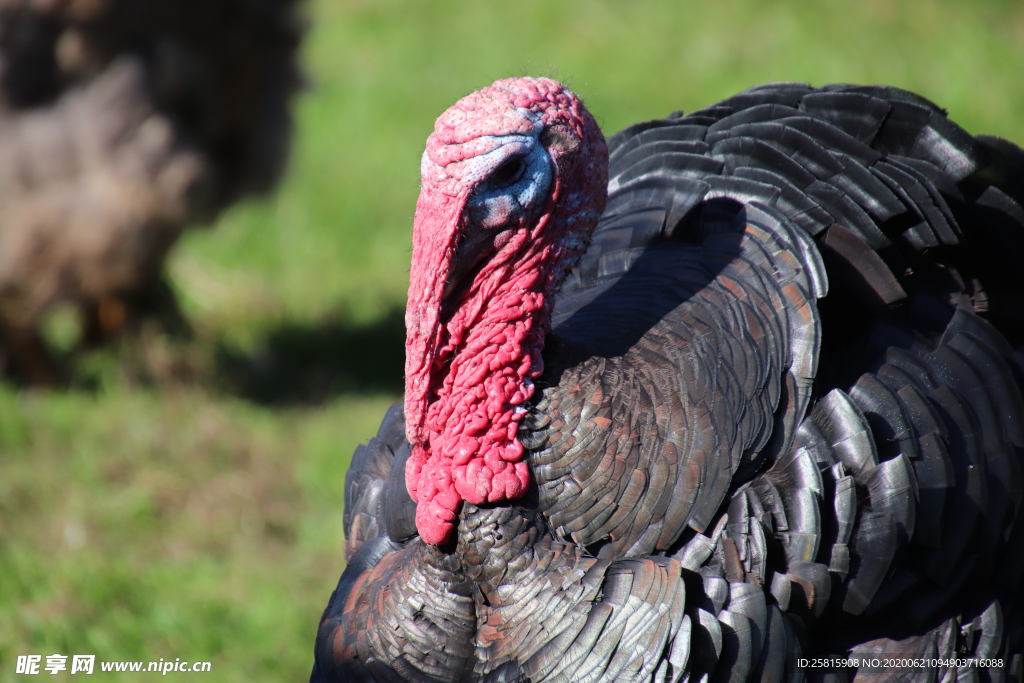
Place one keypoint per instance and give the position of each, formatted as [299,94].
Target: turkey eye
[507,173]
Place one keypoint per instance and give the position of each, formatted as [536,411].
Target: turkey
[733,397]
[121,121]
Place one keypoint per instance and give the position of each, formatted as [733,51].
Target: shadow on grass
[310,364]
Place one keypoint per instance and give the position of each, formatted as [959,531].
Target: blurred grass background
[184,498]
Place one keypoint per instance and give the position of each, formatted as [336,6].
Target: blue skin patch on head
[514,182]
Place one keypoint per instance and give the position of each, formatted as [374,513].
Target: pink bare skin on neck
[471,358]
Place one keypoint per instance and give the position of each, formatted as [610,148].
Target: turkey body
[779,418]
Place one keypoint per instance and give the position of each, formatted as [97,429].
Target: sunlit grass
[147,518]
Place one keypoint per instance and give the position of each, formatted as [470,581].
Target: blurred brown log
[122,121]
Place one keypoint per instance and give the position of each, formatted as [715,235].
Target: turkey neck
[504,549]
[496,547]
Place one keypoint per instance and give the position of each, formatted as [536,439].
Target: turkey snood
[513,182]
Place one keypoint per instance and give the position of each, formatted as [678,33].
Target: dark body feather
[781,418]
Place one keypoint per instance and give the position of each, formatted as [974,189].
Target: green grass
[139,525]
[161,512]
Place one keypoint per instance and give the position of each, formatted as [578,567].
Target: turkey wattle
[738,388]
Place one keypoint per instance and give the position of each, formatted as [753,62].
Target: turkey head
[513,182]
